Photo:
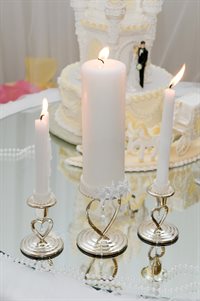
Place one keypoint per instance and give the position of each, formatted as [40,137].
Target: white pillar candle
[103,122]
[42,155]
[162,176]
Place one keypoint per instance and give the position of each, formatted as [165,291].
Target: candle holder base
[92,245]
[34,249]
[157,232]
[149,234]
[102,243]
[42,243]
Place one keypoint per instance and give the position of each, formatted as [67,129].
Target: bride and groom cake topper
[137,68]
[142,60]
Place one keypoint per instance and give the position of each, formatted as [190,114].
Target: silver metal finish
[156,231]
[89,243]
[149,233]
[42,244]
[102,244]
[167,194]
[33,248]
[34,203]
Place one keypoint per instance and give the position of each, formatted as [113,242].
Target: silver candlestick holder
[102,244]
[108,242]
[157,231]
[42,243]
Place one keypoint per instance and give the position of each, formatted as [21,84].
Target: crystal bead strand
[15,154]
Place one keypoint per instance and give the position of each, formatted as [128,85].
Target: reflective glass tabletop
[179,263]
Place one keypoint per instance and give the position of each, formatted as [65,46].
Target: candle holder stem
[157,231]
[102,244]
[42,243]
[45,212]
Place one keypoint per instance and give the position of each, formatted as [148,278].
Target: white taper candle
[165,140]
[42,155]
[161,183]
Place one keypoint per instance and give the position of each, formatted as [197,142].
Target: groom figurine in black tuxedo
[142,59]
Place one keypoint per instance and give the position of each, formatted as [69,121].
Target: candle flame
[44,108]
[103,54]
[177,77]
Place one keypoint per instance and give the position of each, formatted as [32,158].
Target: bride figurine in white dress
[132,82]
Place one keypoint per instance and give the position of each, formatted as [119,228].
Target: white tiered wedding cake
[122,25]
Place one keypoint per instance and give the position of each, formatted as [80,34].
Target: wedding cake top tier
[120,24]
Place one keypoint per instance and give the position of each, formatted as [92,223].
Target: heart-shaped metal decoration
[158,215]
[42,227]
[103,232]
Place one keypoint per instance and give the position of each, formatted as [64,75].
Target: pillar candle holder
[157,231]
[108,242]
[42,243]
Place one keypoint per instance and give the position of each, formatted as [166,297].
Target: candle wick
[101,60]
[170,86]
[41,116]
